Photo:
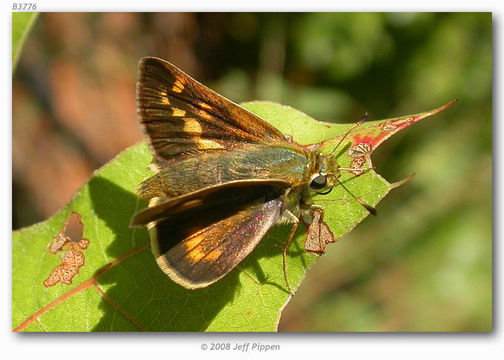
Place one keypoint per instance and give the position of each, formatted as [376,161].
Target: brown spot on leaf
[357,165]
[83,244]
[359,150]
[318,234]
[388,126]
[394,124]
[72,232]
[58,243]
[73,259]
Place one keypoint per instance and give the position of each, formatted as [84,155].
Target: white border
[171,346]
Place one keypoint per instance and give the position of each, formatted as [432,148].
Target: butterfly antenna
[369,208]
[356,125]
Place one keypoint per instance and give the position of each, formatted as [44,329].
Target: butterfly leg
[293,218]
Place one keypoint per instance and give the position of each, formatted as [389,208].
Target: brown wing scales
[221,196]
[212,249]
[200,237]
[180,115]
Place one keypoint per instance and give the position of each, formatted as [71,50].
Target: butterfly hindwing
[199,239]
[181,116]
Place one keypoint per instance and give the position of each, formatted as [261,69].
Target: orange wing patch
[205,105]
[206,144]
[195,255]
[178,86]
[194,241]
[191,125]
[164,97]
[204,114]
[178,112]
[213,255]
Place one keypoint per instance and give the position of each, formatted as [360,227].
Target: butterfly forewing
[216,196]
[181,116]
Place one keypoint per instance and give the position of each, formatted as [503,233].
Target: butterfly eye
[319,182]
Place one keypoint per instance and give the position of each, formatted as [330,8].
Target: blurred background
[424,264]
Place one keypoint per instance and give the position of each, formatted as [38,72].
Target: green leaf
[22,22]
[121,288]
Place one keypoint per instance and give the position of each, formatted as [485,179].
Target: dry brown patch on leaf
[318,234]
[70,237]
[357,165]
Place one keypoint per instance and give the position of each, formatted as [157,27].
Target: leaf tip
[402,182]
[444,107]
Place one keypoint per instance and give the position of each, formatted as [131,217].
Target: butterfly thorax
[291,163]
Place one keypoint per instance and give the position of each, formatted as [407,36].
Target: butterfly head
[325,176]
